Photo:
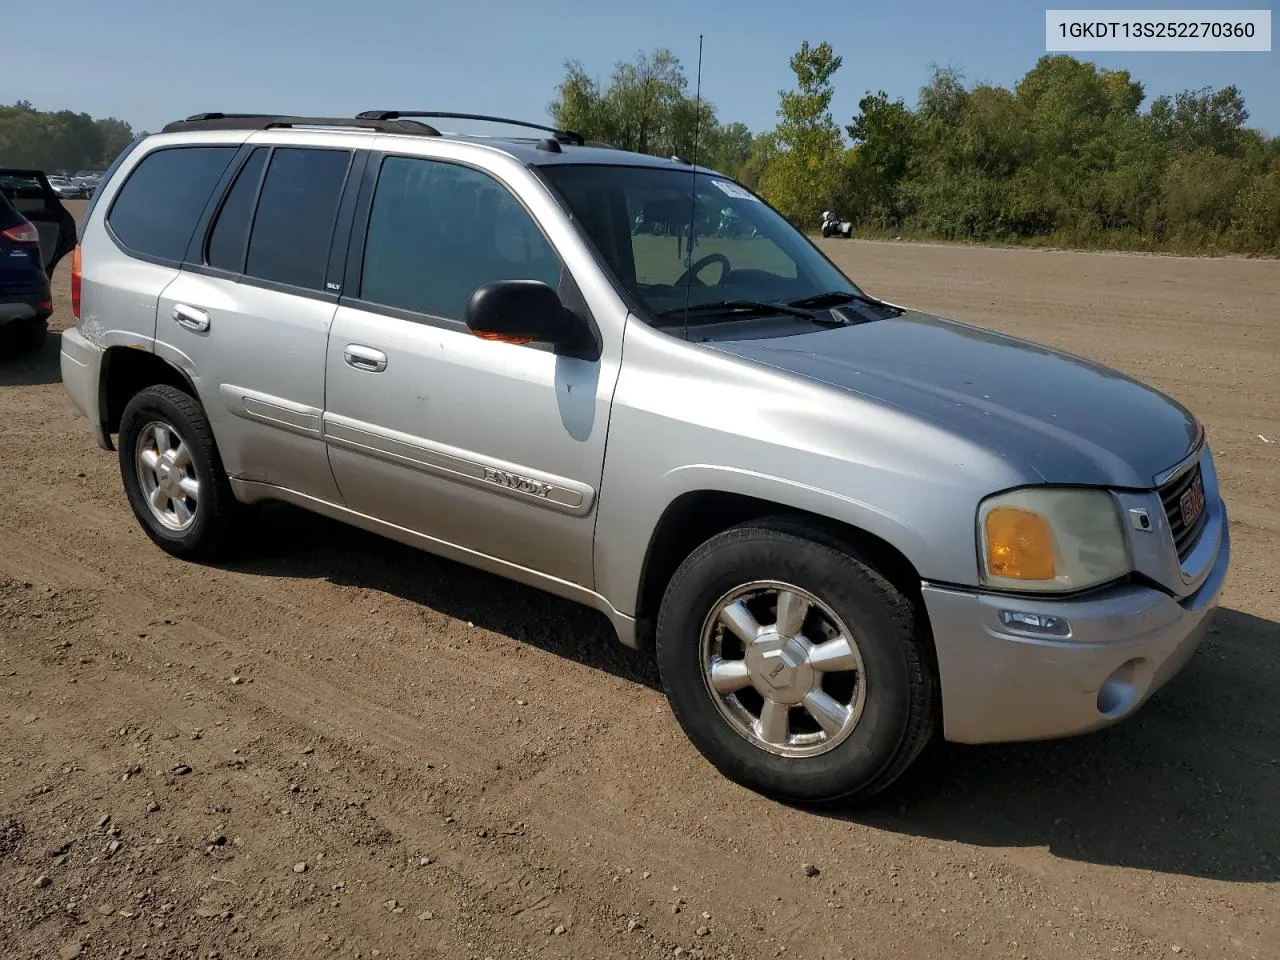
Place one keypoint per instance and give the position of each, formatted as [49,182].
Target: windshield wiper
[741,308]
[832,298]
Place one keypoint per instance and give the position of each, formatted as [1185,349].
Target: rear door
[248,316]
[32,196]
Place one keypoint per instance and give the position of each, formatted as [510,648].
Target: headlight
[1042,538]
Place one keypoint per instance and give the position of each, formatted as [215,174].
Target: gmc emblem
[1192,502]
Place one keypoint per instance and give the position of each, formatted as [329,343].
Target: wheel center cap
[779,668]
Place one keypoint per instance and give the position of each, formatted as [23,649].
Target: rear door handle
[190,317]
[364,358]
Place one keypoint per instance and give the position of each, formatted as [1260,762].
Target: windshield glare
[740,249]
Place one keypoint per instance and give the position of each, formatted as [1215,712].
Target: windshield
[740,250]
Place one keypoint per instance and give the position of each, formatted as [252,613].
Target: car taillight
[75,283]
[24,232]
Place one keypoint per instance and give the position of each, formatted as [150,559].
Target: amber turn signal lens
[503,337]
[1019,545]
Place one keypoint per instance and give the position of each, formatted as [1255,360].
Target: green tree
[116,135]
[883,134]
[1204,119]
[645,108]
[726,147]
[58,141]
[1255,218]
[764,150]
[579,104]
[1200,191]
[805,175]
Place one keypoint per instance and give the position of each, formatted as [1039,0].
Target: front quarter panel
[687,418]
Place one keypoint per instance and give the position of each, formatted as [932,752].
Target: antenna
[693,186]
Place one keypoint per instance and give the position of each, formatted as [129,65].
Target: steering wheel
[697,268]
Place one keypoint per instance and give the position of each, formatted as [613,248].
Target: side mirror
[523,311]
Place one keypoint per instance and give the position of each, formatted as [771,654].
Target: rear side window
[156,210]
[231,233]
[297,208]
[438,230]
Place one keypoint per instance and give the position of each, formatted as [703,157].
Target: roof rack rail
[271,121]
[564,136]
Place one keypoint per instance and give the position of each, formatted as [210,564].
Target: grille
[1184,537]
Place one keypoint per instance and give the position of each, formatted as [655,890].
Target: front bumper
[1126,643]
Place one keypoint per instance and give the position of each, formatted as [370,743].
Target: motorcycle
[833,226]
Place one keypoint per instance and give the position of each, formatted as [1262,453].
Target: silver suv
[845,525]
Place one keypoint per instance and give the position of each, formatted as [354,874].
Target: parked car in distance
[844,525]
[66,189]
[36,232]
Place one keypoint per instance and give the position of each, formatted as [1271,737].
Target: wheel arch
[125,371]
[695,516]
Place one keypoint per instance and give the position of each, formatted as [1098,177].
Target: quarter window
[438,230]
[156,210]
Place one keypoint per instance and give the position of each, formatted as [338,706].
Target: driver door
[494,447]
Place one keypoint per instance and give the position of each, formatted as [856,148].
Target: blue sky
[150,61]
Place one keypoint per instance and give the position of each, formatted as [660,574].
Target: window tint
[157,208]
[296,212]
[439,230]
[231,232]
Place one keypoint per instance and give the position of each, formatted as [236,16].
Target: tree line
[1068,156]
[59,140]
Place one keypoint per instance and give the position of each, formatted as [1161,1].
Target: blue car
[36,231]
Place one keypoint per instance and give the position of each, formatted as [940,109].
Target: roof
[563,147]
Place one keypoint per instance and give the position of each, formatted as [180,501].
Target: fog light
[1040,624]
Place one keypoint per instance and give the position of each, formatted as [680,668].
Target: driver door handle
[190,317]
[364,358]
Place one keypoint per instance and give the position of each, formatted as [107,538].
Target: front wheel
[173,475]
[826,231]
[793,666]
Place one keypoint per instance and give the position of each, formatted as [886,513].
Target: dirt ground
[336,746]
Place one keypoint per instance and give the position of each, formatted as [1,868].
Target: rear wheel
[794,666]
[173,475]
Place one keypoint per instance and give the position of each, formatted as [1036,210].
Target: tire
[893,669]
[32,336]
[826,231]
[205,528]
[23,337]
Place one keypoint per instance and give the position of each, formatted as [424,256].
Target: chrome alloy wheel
[783,669]
[167,476]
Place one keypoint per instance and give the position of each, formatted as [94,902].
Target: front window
[739,249]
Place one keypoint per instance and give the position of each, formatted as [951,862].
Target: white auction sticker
[732,190]
[1158,30]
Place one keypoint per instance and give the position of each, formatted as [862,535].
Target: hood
[1065,419]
